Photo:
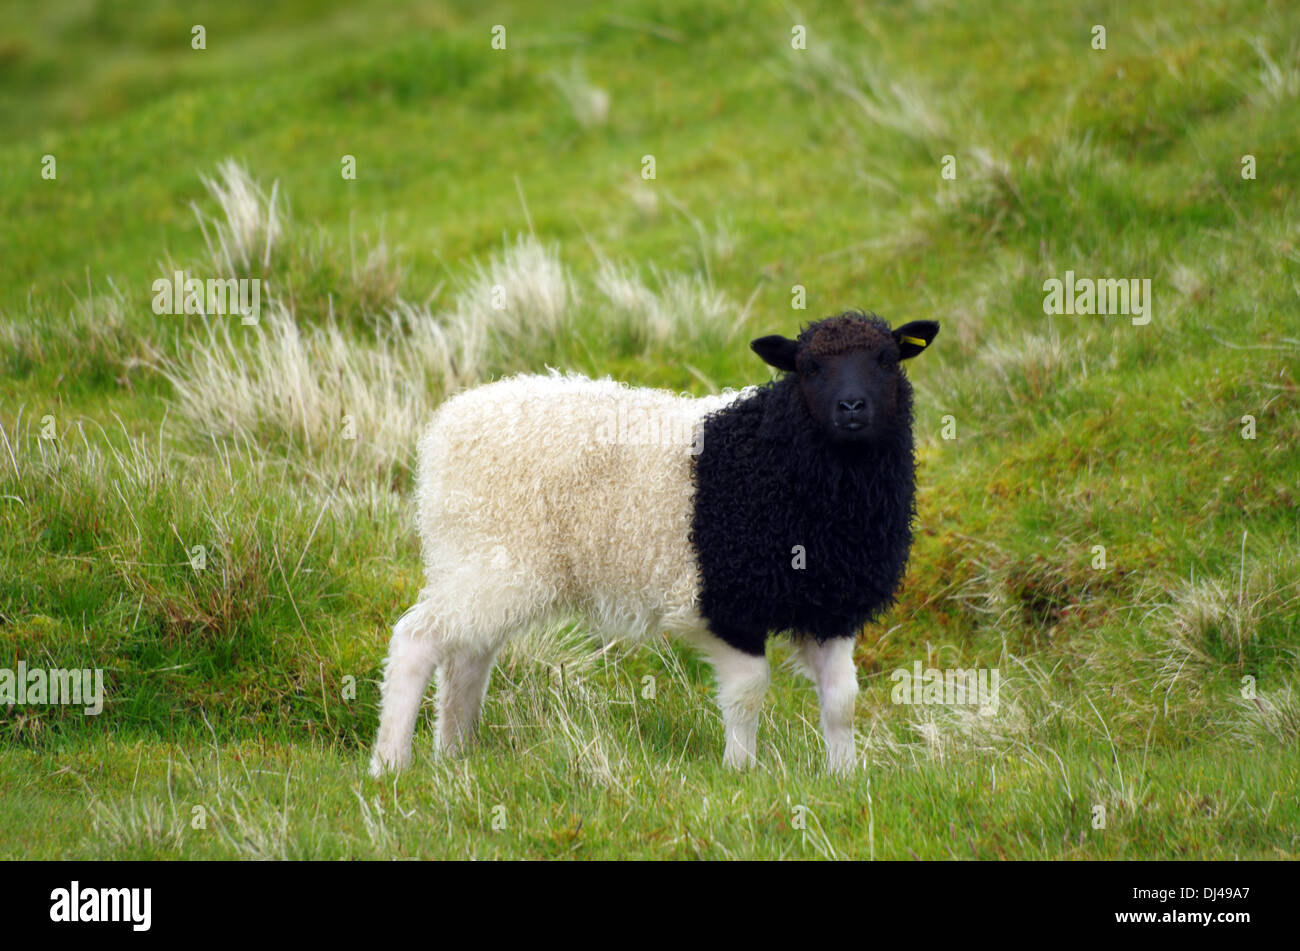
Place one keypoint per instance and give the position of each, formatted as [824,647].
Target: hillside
[217,513]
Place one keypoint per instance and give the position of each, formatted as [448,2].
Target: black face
[851,395]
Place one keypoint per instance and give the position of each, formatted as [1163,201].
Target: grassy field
[217,514]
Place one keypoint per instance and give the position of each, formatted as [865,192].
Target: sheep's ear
[776,350]
[914,337]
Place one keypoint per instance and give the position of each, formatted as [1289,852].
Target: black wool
[770,485]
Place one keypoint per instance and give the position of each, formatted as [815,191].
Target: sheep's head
[847,371]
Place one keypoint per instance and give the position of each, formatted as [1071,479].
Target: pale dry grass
[522,299]
[317,392]
[1210,622]
[877,100]
[243,238]
[340,402]
[136,824]
[1271,716]
[588,102]
[984,180]
[1277,79]
[1029,366]
[908,734]
[679,309]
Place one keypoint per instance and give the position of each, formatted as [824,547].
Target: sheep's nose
[852,406]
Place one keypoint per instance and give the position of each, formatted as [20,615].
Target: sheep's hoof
[453,747]
[739,760]
[841,762]
[382,763]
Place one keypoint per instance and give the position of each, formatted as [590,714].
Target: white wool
[546,494]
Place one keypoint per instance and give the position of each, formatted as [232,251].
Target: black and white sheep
[782,508]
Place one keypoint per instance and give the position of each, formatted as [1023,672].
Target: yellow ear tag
[913,340]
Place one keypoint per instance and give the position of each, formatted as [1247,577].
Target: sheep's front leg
[830,666]
[742,685]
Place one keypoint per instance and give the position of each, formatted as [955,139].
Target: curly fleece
[769,486]
[850,331]
[544,494]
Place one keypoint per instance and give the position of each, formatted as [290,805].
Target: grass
[1092,521]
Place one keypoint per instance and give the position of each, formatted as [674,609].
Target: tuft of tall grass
[1213,625]
[587,101]
[319,395]
[522,301]
[89,344]
[1271,716]
[240,242]
[878,100]
[1278,80]
[679,311]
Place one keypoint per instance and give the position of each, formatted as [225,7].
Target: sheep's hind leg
[742,685]
[412,656]
[830,666]
[462,686]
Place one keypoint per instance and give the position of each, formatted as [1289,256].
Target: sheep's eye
[813,369]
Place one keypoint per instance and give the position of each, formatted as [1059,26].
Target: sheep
[782,508]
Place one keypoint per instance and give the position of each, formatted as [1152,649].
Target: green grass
[248,690]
